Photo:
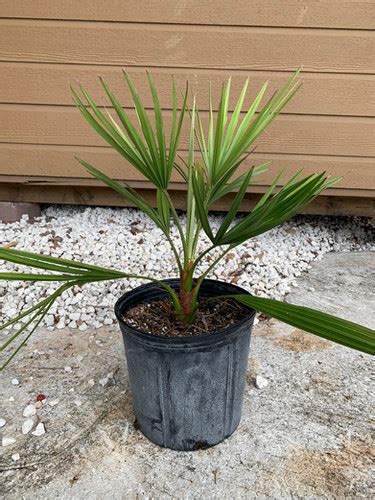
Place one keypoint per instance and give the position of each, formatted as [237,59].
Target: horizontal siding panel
[340,205]
[288,134]
[53,162]
[297,13]
[187,46]
[325,94]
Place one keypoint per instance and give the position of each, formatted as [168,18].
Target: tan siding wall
[47,45]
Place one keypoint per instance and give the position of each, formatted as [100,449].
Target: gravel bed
[127,240]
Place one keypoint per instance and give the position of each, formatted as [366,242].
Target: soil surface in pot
[157,318]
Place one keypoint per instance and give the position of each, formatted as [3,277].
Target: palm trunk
[186,298]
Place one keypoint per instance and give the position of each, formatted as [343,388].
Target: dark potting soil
[157,318]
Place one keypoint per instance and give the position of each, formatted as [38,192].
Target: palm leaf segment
[319,323]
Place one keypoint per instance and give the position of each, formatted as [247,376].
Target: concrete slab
[306,434]
[342,284]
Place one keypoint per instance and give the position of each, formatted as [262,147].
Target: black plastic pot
[187,391]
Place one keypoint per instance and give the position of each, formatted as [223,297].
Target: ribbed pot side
[187,391]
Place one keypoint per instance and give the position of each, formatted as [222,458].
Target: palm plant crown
[209,176]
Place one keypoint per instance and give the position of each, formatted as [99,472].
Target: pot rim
[195,340]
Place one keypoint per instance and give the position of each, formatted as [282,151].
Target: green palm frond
[70,272]
[273,208]
[225,149]
[319,323]
[35,316]
[146,150]
[158,217]
[273,211]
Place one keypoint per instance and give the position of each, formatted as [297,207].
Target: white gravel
[127,240]
[260,382]
[29,411]
[39,430]
[27,425]
[7,441]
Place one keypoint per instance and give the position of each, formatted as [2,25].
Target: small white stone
[61,324]
[53,402]
[71,389]
[15,457]
[260,382]
[7,441]
[15,381]
[39,405]
[79,358]
[67,369]
[2,422]
[77,402]
[29,411]
[11,398]
[27,425]
[104,381]
[39,430]
[91,382]
[49,320]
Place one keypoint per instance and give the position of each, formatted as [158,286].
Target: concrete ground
[307,434]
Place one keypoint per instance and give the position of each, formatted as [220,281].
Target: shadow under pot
[187,391]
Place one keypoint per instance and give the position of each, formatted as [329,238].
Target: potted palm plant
[187,338]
